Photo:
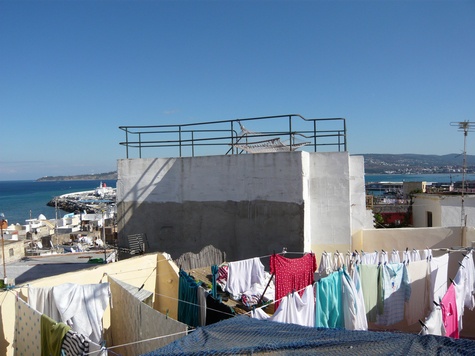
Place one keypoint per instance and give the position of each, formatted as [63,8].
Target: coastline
[27,199]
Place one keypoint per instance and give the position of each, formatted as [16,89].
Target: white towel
[242,275]
[295,310]
[82,307]
[41,299]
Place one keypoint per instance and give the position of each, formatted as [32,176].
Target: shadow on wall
[157,206]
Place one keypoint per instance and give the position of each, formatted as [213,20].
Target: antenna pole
[465,127]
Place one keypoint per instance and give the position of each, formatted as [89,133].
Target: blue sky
[72,72]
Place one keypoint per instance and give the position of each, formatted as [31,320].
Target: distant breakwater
[73,206]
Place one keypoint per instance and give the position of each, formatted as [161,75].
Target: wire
[141,341]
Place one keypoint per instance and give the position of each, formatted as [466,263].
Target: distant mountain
[375,163]
[99,176]
[416,163]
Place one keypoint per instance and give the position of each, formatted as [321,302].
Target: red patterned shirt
[292,274]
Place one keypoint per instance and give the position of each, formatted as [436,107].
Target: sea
[26,199]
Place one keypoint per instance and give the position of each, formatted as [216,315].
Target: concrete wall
[245,205]
[446,210]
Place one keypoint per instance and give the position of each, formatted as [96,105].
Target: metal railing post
[314,135]
[179,138]
[290,131]
[344,133]
[127,144]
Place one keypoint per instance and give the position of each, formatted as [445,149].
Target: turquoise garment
[329,304]
[214,275]
[188,307]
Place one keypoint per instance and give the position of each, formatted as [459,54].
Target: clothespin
[437,304]
[104,274]
[284,250]
[422,323]
[461,265]
[452,281]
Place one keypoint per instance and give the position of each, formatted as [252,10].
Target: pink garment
[292,274]
[449,313]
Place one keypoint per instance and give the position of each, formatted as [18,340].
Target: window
[429,219]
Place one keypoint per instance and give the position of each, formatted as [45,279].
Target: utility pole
[4,225]
[465,127]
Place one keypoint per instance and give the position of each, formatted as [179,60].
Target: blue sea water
[25,199]
[434,178]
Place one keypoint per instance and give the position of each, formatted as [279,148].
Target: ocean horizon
[25,199]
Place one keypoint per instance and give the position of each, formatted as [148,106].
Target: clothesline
[278,300]
[194,304]
[140,341]
[284,251]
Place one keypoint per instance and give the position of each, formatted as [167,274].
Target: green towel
[52,335]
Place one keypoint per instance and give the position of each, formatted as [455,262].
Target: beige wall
[14,251]
[135,271]
[166,290]
[400,239]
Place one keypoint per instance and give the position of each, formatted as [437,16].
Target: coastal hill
[416,164]
[99,176]
[375,163]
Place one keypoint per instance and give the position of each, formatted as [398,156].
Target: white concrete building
[443,210]
[246,205]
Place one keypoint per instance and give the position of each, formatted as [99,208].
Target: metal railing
[316,134]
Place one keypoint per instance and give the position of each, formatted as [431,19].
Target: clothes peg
[422,323]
